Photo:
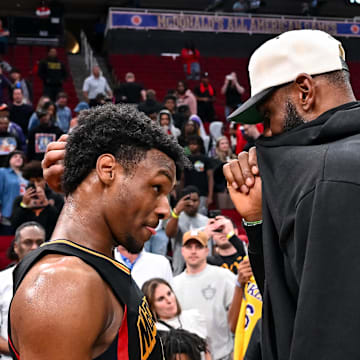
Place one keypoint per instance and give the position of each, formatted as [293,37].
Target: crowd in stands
[194,296]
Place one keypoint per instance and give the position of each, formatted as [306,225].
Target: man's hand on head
[53,163]
[244,185]
[180,206]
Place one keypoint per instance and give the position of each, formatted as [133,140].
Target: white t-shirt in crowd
[94,86]
[210,292]
[6,293]
[148,266]
[189,320]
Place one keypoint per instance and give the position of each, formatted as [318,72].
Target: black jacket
[311,212]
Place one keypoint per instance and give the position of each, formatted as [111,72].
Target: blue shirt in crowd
[11,186]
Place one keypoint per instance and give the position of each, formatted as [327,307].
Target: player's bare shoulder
[59,296]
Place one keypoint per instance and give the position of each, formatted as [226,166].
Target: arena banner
[225,23]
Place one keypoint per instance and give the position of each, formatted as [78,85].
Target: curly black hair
[120,130]
[180,341]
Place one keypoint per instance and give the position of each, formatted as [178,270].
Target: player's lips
[151,229]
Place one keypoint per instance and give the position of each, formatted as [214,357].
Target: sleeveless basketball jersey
[250,313]
[137,338]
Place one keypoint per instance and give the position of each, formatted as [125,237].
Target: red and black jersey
[137,337]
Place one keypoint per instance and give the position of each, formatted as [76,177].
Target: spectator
[191,59]
[28,237]
[170,103]
[130,92]
[167,311]
[19,83]
[95,84]
[4,36]
[205,96]
[246,296]
[41,135]
[182,116]
[34,120]
[191,128]
[184,96]
[5,87]
[209,289]
[166,122]
[20,112]
[38,203]
[48,107]
[246,135]
[201,173]
[232,91]
[223,155]
[184,217]
[229,249]
[14,128]
[63,112]
[150,105]
[12,183]
[144,265]
[9,142]
[53,73]
[201,132]
[181,344]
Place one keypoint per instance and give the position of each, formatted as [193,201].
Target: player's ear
[106,165]
[305,92]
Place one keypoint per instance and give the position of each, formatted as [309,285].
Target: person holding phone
[232,91]
[184,217]
[38,203]
[230,250]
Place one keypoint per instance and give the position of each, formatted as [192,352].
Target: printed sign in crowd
[219,23]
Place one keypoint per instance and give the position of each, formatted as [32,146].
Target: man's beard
[292,118]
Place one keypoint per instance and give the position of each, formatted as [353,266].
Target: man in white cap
[299,195]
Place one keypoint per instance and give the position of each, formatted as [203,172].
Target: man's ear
[305,91]
[105,168]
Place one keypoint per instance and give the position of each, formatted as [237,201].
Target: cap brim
[248,113]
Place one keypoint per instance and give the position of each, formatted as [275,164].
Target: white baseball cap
[280,60]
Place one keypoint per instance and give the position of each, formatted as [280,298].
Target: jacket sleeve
[326,264]
[256,255]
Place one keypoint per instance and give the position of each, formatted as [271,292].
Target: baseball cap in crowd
[200,236]
[280,60]
[205,74]
[81,106]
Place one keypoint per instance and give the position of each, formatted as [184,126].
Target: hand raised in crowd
[219,224]
[244,185]
[180,206]
[28,196]
[244,272]
[53,163]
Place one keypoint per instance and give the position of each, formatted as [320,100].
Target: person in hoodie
[53,73]
[298,192]
[166,122]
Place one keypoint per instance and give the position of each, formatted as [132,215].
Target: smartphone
[32,185]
